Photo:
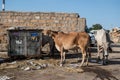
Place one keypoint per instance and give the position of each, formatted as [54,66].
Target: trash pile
[5,77]
[26,65]
[39,64]
[34,66]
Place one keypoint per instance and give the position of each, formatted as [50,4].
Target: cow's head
[50,33]
[46,32]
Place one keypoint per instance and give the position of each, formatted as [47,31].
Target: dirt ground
[49,69]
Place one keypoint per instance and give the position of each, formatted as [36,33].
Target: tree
[96,27]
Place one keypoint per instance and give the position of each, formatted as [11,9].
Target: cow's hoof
[98,60]
[81,65]
[63,62]
[104,62]
[90,60]
[86,64]
[61,65]
[78,60]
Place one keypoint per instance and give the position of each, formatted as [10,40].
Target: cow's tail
[88,49]
[88,55]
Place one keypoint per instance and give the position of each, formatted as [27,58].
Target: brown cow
[65,41]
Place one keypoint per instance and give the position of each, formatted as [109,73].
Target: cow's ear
[49,31]
[53,35]
[46,32]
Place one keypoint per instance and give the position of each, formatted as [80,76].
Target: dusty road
[49,69]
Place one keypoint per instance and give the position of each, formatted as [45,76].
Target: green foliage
[86,29]
[95,27]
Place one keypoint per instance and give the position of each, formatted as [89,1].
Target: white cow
[103,41]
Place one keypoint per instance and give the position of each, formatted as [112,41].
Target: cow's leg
[61,61]
[61,54]
[86,59]
[52,47]
[83,59]
[63,57]
[83,55]
[98,53]
[105,57]
[89,54]
[77,51]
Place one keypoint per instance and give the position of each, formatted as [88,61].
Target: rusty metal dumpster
[24,42]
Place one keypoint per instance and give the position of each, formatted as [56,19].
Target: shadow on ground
[100,73]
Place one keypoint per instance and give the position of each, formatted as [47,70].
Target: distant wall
[55,21]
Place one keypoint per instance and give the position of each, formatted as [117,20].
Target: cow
[72,40]
[103,44]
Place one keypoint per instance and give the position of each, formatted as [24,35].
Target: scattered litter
[38,67]
[14,62]
[70,69]
[34,67]
[44,65]
[11,67]
[73,68]
[26,65]
[27,69]
[73,65]
[8,66]
[5,77]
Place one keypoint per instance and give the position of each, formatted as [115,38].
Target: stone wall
[65,22]
[115,35]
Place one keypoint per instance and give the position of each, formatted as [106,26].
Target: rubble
[115,35]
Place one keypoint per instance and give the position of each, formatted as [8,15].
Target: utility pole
[3,5]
